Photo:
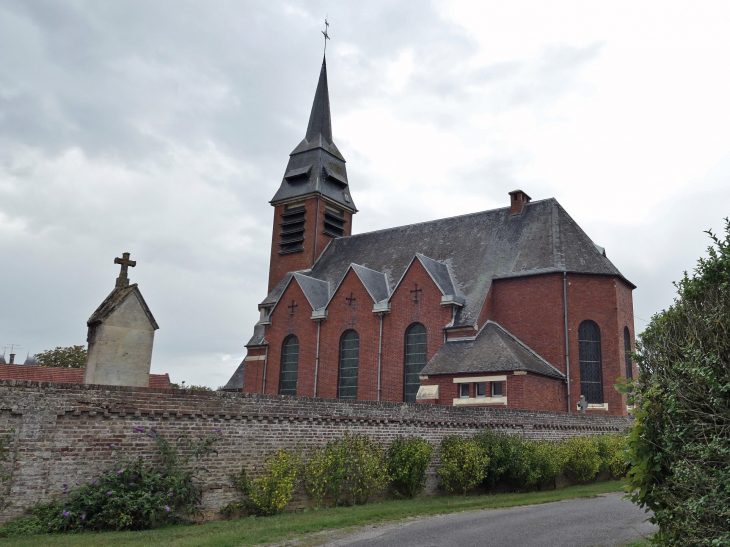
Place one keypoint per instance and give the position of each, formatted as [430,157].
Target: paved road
[605,521]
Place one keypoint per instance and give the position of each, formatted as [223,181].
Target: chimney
[12,359]
[517,201]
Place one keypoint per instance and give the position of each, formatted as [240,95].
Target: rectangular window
[464,391]
[481,388]
[496,389]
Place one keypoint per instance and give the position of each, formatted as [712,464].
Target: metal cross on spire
[123,280]
[326,34]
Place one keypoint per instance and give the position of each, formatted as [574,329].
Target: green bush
[136,494]
[464,464]
[352,465]
[268,493]
[501,449]
[611,449]
[367,467]
[408,460]
[550,462]
[679,447]
[582,458]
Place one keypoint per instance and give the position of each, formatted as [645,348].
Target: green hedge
[679,448]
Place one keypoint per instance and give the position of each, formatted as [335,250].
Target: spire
[319,119]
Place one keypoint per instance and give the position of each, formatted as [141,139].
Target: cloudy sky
[163,128]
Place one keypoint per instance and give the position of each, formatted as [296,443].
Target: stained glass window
[591,373]
[627,349]
[289,364]
[349,357]
[415,361]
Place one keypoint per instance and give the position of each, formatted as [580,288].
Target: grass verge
[288,526]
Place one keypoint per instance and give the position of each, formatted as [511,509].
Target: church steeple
[313,203]
[320,122]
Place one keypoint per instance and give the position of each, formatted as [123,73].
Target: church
[512,308]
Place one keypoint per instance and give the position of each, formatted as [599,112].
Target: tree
[68,357]
[679,447]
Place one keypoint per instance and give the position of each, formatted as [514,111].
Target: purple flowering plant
[136,494]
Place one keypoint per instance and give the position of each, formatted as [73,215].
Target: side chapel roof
[493,349]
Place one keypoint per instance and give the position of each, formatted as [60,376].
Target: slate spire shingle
[320,122]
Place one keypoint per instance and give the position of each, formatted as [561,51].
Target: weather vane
[326,35]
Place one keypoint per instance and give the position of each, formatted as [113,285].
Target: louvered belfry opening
[292,230]
[591,373]
[334,223]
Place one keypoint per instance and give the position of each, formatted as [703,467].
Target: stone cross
[292,308]
[415,292]
[582,404]
[350,299]
[123,280]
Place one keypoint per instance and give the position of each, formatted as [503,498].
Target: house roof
[494,349]
[62,375]
[468,252]
[115,298]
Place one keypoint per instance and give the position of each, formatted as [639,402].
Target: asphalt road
[605,521]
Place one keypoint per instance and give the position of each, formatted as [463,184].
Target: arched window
[415,361]
[591,374]
[349,357]
[289,364]
[627,349]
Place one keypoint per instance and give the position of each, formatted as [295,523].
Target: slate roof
[62,375]
[236,381]
[494,349]
[475,249]
[316,166]
[115,298]
[376,283]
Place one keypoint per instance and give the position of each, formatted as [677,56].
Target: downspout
[316,360]
[567,352]
[266,360]
[380,352]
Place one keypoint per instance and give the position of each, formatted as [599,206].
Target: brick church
[514,307]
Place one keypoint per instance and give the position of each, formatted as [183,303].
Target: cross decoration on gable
[125,263]
[350,299]
[415,292]
[293,307]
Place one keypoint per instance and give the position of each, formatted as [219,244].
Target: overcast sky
[163,128]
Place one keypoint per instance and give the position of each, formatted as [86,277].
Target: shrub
[464,464]
[679,447]
[268,493]
[408,460]
[611,449]
[352,465]
[582,458]
[367,467]
[501,449]
[136,494]
[550,462]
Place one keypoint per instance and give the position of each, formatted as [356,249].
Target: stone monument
[121,334]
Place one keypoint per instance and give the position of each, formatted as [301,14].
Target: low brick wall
[62,432]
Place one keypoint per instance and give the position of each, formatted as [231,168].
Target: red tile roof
[62,375]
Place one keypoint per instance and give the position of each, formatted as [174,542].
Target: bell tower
[313,204]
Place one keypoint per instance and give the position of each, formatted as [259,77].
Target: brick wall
[63,431]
